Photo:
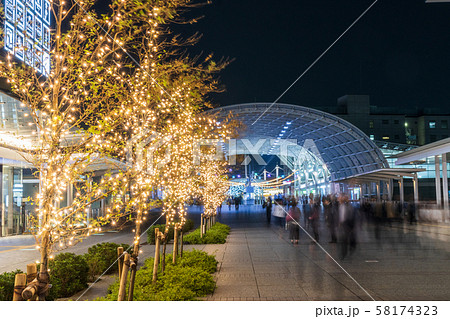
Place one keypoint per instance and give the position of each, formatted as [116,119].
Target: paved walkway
[258,262]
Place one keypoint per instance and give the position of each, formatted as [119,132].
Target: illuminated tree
[75,109]
[212,186]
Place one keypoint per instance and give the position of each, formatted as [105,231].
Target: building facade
[417,127]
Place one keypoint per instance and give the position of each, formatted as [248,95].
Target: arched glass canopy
[303,135]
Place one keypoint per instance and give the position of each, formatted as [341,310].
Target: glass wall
[16,209]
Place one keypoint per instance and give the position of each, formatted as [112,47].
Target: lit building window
[386,137]
[372,137]
[432,124]
[370,124]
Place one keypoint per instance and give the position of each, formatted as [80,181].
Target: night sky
[398,53]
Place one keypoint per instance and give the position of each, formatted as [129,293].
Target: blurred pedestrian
[293,220]
[346,226]
[314,218]
[268,206]
[279,212]
[330,218]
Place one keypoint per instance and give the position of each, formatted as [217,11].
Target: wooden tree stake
[181,242]
[201,225]
[163,257]
[120,255]
[20,282]
[31,275]
[155,263]
[133,268]
[175,244]
[123,278]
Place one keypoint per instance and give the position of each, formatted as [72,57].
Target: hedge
[217,234]
[70,273]
[188,279]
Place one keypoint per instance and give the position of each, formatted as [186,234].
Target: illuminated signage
[27,32]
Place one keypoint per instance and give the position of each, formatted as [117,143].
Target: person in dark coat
[293,220]
[268,206]
[330,218]
[347,225]
[314,218]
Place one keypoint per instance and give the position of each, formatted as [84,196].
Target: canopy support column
[402,190]
[437,169]
[378,191]
[444,180]
[416,189]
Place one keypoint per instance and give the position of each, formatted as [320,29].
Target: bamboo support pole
[133,268]
[175,244]
[30,292]
[123,278]
[31,275]
[201,225]
[163,257]
[20,282]
[181,242]
[155,263]
[120,255]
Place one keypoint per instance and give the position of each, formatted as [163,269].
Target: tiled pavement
[258,262]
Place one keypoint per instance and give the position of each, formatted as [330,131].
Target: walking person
[330,218]
[314,219]
[293,220]
[279,213]
[268,206]
[346,226]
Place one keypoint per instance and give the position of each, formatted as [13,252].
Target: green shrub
[217,234]
[7,285]
[195,279]
[201,259]
[101,256]
[68,275]
[188,225]
[188,279]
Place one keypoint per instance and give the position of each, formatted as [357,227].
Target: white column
[378,191]
[437,169]
[402,191]
[444,180]
[416,190]
[3,205]
[390,189]
[10,201]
